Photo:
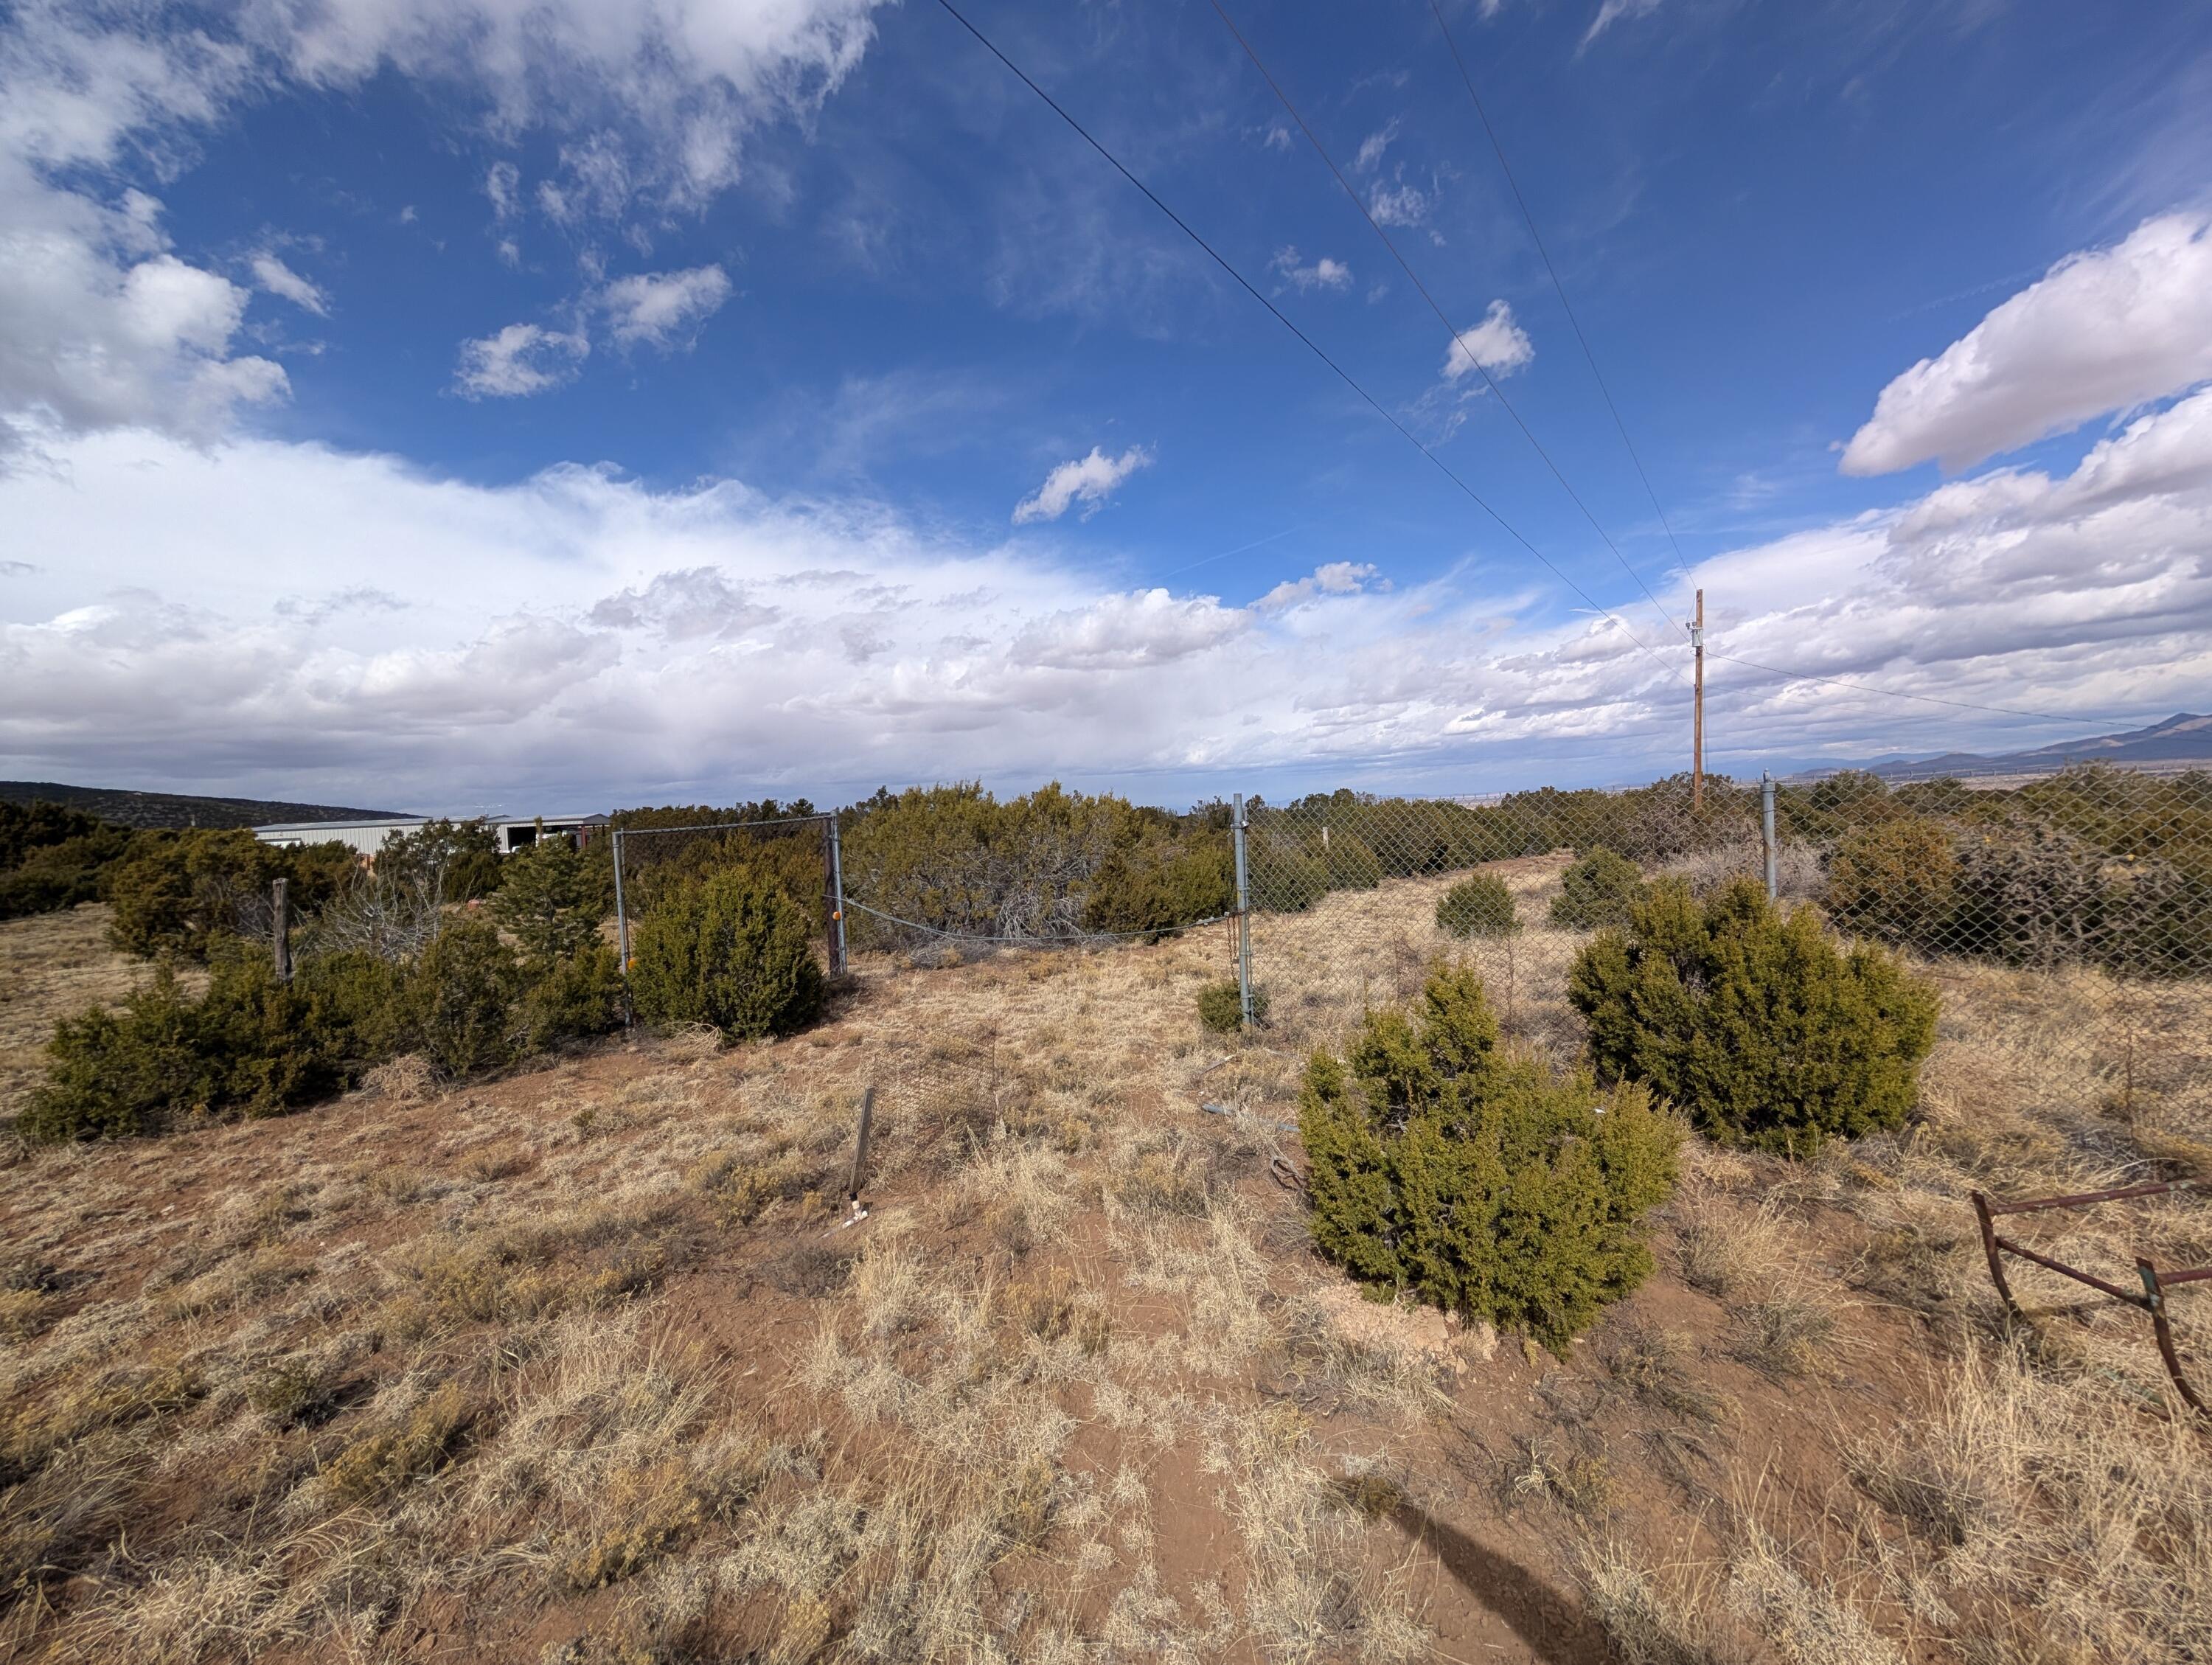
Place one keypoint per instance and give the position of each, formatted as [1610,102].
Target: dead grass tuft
[1808,1622]
[1789,1333]
[1652,1618]
[413,1447]
[407,1079]
[1659,1367]
[1727,1252]
[1579,1482]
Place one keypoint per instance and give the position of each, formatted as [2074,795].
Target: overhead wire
[1620,425]
[1528,219]
[1307,341]
[1458,338]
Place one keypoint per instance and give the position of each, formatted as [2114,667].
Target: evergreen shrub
[1754,1023]
[463,995]
[182,893]
[1221,1007]
[733,951]
[250,1045]
[1153,883]
[548,900]
[1478,906]
[574,997]
[53,857]
[1597,891]
[1352,863]
[1448,1166]
[1284,877]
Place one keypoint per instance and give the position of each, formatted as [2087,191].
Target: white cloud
[1322,274]
[1372,147]
[103,326]
[2103,330]
[1399,206]
[503,187]
[1612,12]
[280,280]
[106,324]
[1497,344]
[1278,137]
[676,85]
[660,307]
[578,636]
[1330,578]
[1087,480]
[519,360]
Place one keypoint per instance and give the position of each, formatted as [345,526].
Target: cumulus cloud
[577,634]
[104,325]
[666,307]
[1322,274]
[696,603]
[2103,330]
[519,360]
[1496,344]
[1089,481]
[280,280]
[1331,578]
[1612,12]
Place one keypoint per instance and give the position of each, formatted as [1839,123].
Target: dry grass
[585,1346]
[1730,1253]
[52,966]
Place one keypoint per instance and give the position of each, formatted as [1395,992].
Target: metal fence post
[622,925]
[1766,832]
[1243,917]
[280,927]
[836,902]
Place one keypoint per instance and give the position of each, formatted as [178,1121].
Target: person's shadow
[1553,1624]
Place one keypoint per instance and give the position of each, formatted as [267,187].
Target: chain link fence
[653,864]
[1316,910]
[1349,896]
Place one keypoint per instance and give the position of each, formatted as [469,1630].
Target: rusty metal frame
[2155,1283]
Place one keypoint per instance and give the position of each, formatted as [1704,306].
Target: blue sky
[475,403]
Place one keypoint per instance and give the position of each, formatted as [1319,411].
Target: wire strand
[1311,346]
[1073,940]
[1529,220]
[1458,338]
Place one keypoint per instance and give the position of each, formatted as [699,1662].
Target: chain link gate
[803,852]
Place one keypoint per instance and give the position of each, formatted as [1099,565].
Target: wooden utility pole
[1697,712]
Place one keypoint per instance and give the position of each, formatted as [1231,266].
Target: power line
[1458,341]
[1529,220]
[1311,346]
[1604,391]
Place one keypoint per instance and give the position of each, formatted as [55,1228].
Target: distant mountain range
[163,809]
[2181,742]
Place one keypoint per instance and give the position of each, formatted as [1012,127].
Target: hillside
[126,808]
[2182,741]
